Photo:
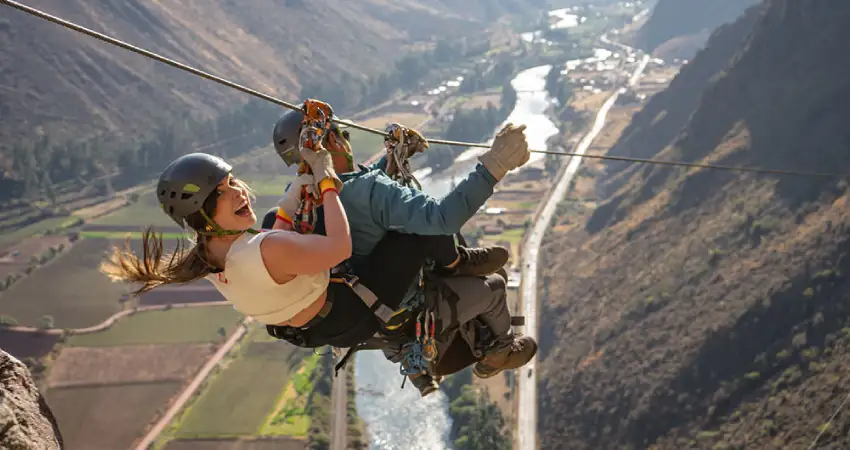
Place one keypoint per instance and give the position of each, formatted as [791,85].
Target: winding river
[398,418]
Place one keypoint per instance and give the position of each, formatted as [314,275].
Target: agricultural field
[228,406]
[481,100]
[78,366]
[145,211]
[19,256]
[9,238]
[277,443]
[108,416]
[70,289]
[171,326]
[410,119]
[197,291]
[27,345]
[290,416]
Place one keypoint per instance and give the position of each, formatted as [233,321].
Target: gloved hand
[292,197]
[509,151]
[321,164]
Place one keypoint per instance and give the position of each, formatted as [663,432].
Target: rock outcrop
[26,422]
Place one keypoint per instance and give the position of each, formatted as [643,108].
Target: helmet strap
[217,231]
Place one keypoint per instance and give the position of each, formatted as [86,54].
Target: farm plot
[278,443]
[18,257]
[70,288]
[199,291]
[80,366]
[168,326]
[290,416]
[27,345]
[229,406]
[107,417]
[146,211]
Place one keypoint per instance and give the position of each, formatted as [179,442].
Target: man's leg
[456,260]
[467,298]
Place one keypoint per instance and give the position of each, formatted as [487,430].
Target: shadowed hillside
[709,309]
[686,24]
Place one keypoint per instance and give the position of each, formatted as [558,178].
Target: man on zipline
[386,216]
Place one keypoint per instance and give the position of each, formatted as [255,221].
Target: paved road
[527,414]
[339,416]
[172,411]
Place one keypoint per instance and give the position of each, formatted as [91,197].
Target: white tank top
[246,283]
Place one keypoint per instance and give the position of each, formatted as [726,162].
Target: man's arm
[395,207]
[381,165]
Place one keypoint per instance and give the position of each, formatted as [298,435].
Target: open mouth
[244,210]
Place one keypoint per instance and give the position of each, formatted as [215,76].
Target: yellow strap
[282,214]
[326,184]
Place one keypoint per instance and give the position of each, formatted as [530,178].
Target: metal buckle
[350,280]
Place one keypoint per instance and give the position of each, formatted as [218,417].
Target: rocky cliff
[26,421]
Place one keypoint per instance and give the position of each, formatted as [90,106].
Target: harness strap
[326,309]
[351,351]
[368,297]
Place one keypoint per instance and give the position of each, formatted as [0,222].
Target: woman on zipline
[280,278]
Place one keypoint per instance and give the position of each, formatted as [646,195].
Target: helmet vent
[173,194]
[185,196]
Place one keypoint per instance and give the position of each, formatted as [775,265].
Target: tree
[45,322]
[479,423]
[222,332]
[7,321]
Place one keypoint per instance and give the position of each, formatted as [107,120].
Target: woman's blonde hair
[156,268]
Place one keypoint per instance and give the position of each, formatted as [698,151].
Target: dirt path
[112,319]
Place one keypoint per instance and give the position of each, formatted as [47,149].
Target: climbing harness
[401,143]
[419,354]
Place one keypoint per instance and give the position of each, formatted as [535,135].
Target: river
[398,418]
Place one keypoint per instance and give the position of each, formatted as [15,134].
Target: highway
[339,412]
[527,388]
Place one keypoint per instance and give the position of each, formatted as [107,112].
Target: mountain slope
[689,22]
[71,84]
[710,309]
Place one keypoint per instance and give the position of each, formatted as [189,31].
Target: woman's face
[233,207]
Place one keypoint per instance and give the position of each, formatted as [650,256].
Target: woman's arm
[287,254]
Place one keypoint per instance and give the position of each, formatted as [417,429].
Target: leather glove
[292,197]
[321,164]
[509,151]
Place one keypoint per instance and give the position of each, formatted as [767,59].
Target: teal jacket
[375,204]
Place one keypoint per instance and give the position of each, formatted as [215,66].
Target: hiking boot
[515,355]
[480,261]
[424,383]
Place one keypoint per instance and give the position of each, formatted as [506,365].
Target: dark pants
[396,259]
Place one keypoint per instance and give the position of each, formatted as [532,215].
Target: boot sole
[492,374]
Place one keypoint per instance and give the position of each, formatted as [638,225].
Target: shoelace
[476,256]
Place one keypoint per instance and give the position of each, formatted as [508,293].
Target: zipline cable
[171,62]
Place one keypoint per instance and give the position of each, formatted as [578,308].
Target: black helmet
[287,135]
[187,182]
